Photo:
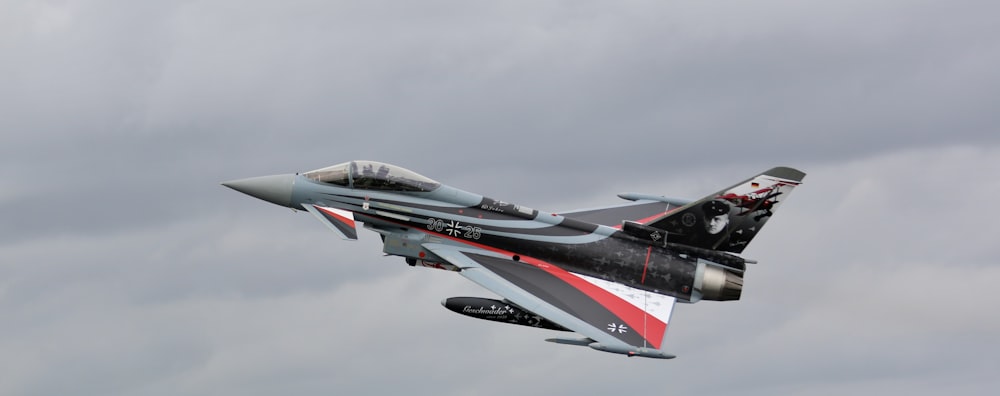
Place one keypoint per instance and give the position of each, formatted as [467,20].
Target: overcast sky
[126,269]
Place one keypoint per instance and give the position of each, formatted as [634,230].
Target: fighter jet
[611,275]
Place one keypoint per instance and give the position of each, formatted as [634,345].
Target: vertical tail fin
[729,219]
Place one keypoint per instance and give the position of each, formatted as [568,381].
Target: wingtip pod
[628,351]
[571,341]
[634,351]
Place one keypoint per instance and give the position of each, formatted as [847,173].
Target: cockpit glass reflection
[372,175]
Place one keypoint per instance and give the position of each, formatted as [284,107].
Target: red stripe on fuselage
[645,266]
[649,219]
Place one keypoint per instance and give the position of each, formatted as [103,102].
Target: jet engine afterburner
[717,284]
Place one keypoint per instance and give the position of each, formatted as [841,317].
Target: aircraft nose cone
[275,189]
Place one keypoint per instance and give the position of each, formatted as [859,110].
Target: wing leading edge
[613,317]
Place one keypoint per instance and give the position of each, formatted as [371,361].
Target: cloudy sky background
[126,269]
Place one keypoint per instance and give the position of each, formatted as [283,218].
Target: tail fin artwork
[729,219]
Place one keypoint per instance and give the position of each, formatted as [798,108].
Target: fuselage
[410,210]
[409,216]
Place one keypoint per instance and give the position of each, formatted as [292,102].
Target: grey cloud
[125,268]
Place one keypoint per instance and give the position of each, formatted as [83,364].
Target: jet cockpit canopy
[372,175]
